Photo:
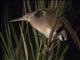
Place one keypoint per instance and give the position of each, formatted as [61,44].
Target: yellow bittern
[43,20]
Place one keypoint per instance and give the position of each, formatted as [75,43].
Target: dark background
[15,8]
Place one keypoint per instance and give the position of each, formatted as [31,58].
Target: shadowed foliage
[20,41]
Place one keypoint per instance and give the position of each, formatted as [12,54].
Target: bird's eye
[40,14]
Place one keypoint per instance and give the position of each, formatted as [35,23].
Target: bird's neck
[48,30]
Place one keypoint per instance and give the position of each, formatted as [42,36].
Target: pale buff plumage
[42,20]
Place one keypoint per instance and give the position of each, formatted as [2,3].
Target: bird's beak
[23,18]
[19,19]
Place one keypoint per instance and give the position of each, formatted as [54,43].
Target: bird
[43,20]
